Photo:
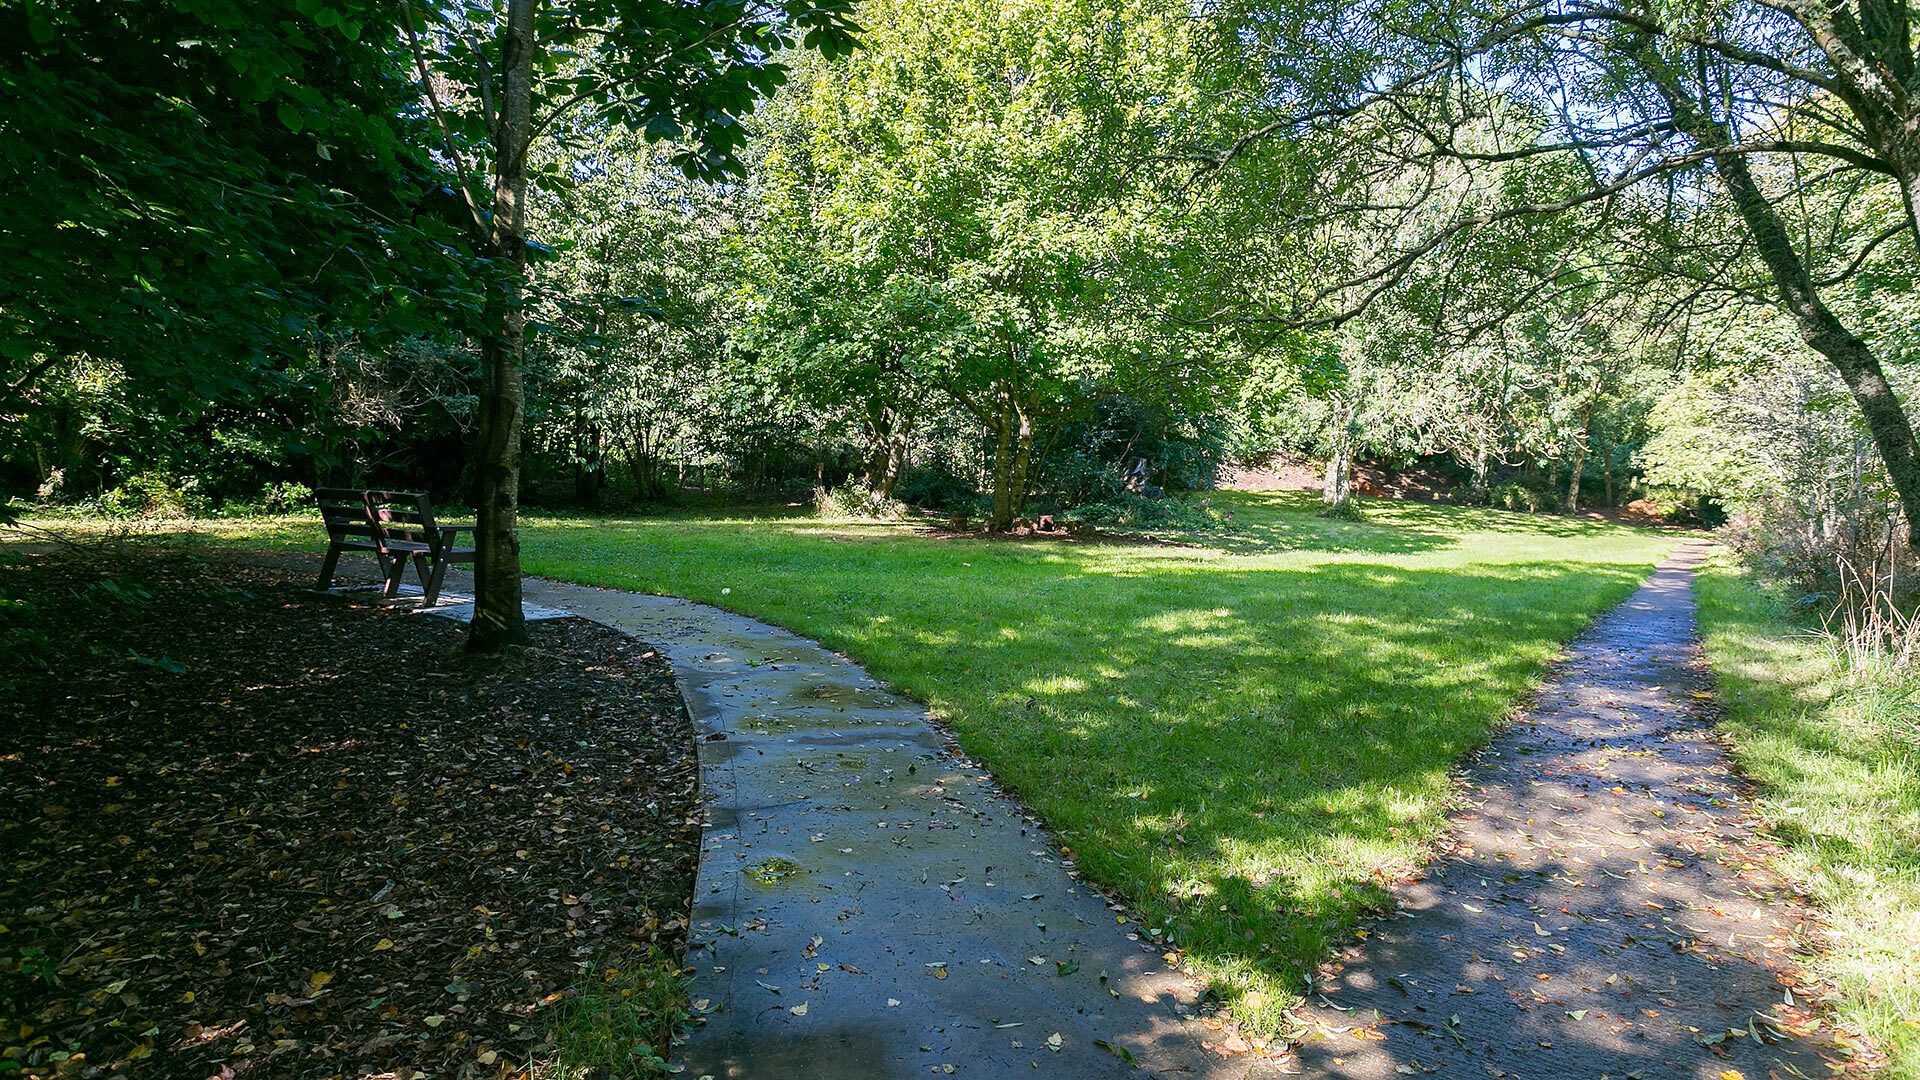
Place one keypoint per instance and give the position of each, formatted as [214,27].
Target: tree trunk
[1338,487]
[1858,367]
[1012,454]
[1339,482]
[1477,487]
[1575,469]
[497,618]
[649,480]
[590,468]
[886,450]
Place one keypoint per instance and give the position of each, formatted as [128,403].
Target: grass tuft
[616,1023]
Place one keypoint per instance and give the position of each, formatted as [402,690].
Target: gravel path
[1604,910]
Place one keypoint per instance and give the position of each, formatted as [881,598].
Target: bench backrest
[403,515]
[379,517]
[346,514]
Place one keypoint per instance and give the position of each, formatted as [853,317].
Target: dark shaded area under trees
[295,835]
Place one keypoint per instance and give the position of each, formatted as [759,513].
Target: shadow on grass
[1247,754]
[1243,745]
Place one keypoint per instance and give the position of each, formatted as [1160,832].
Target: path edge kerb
[720,890]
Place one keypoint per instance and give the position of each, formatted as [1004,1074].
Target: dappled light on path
[1603,908]
[1246,734]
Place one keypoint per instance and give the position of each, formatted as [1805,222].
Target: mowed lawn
[1247,735]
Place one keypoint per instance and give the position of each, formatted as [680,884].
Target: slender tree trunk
[648,483]
[590,471]
[1574,470]
[497,618]
[1477,487]
[1858,367]
[1338,486]
[1577,468]
[1012,455]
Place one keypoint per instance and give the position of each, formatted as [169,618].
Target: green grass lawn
[1247,736]
[1837,755]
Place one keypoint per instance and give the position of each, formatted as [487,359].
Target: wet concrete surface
[868,904]
[1604,910]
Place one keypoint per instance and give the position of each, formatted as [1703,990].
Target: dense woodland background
[987,263]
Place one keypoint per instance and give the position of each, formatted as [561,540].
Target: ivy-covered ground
[252,831]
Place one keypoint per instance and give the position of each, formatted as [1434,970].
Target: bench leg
[421,567]
[391,568]
[327,566]
[439,575]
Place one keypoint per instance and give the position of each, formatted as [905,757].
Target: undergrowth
[616,1024]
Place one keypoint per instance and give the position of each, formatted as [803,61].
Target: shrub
[1514,496]
[936,487]
[280,498]
[154,495]
[1833,563]
[1347,509]
[286,498]
[854,501]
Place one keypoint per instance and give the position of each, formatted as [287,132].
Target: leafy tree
[969,211]
[497,76]
[634,304]
[1749,145]
[821,327]
[203,191]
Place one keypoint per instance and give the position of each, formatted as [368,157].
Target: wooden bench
[396,526]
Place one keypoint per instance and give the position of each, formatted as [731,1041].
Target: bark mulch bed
[251,831]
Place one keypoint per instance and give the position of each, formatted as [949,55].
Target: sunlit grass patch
[1836,751]
[1248,734]
[617,1023]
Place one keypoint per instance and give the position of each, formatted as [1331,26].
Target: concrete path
[1603,911]
[868,904]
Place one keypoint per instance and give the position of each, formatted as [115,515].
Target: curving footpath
[868,905]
